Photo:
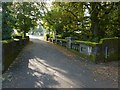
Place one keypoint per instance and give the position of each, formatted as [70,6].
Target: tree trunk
[94,20]
[24,33]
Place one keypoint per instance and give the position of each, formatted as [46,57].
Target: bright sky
[49,4]
[0,9]
[86,12]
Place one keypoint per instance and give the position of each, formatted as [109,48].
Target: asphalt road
[42,65]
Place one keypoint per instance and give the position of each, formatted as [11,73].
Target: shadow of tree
[21,75]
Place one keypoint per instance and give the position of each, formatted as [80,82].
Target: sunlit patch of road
[36,37]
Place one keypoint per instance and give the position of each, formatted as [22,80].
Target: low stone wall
[106,50]
[10,50]
[75,46]
[61,42]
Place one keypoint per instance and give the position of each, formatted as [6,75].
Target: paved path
[42,65]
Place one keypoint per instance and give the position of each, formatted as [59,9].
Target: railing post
[69,42]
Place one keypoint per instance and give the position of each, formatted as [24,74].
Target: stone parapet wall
[106,50]
[10,51]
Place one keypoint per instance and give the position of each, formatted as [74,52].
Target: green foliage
[104,19]
[105,39]
[46,36]
[20,16]
[27,16]
[95,20]
[7,41]
[8,20]
[62,20]
[93,44]
[0,21]
[64,40]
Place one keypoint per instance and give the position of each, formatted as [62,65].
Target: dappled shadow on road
[26,74]
[80,72]
[42,65]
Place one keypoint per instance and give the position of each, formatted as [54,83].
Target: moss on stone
[62,40]
[7,41]
[93,44]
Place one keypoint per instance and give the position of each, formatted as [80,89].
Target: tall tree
[8,20]
[27,16]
